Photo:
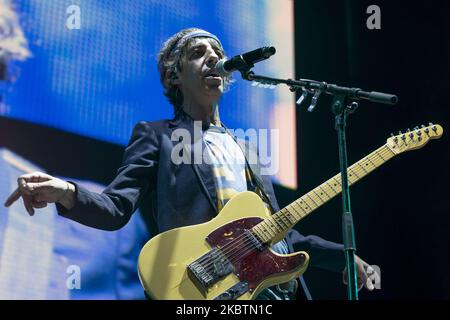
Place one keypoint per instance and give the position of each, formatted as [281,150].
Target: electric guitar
[229,257]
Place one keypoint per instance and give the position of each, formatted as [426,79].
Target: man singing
[182,194]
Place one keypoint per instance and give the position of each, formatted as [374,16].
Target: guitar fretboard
[286,218]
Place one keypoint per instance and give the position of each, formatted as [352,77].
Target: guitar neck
[274,228]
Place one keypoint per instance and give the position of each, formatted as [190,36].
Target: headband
[195,34]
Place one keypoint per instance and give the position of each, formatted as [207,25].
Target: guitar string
[237,246]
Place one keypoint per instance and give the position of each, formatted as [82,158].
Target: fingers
[32,202]
[13,197]
[25,180]
[29,188]
[38,204]
[36,177]
[362,280]
[23,186]
[21,191]
[27,204]
[32,187]
[363,277]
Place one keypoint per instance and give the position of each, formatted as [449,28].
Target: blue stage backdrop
[98,80]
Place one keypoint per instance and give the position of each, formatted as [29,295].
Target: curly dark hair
[170,63]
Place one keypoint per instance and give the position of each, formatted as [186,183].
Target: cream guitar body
[239,265]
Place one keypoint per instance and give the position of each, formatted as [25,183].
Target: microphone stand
[341,109]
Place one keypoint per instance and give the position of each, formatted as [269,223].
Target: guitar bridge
[209,269]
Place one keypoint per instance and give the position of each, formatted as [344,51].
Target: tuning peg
[395,138]
[434,128]
[400,132]
[416,128]
[419,133]
[430,124]
[426,130]
[411,135]
[422,126]
[407,130]
[403,137]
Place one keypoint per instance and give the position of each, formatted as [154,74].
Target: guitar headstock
[414,139]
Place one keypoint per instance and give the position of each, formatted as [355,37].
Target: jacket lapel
[196,147]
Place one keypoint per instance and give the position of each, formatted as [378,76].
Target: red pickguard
[256,266]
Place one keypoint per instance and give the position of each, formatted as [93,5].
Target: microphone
[243,62]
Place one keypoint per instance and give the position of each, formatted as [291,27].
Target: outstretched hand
[38,189]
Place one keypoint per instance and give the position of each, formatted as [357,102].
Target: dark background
[401,213]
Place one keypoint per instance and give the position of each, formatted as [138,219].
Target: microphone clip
[316,94]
